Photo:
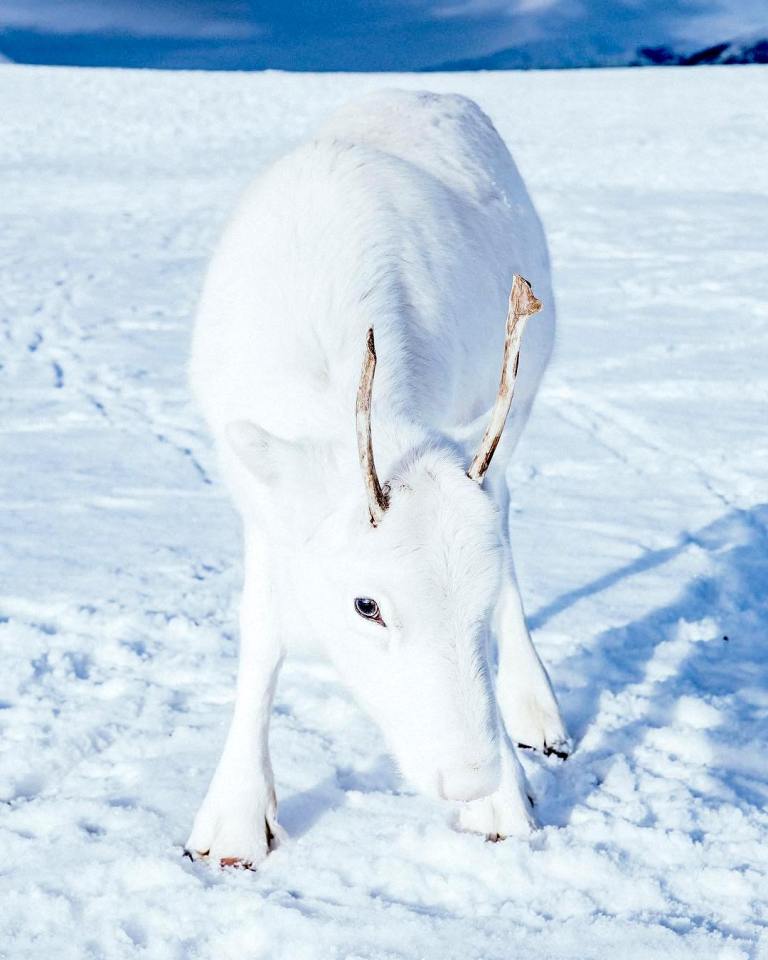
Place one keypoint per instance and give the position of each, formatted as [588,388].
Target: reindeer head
[402,594]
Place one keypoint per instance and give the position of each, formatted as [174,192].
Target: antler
[522,304]
[378,500]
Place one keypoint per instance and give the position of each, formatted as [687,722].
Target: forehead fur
[443,521]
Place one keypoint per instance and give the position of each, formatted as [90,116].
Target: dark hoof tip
[548,751]
[195,855]
[235,863]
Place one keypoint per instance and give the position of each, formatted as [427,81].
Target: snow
[639,519]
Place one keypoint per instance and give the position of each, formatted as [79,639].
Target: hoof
[237,834]
[506,813]
[232,863]
[195,856]
[562,749]
[235,863]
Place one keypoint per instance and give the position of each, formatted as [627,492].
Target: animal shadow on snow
[299,812]
[710,643]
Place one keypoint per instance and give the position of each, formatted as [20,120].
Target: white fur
[405,213]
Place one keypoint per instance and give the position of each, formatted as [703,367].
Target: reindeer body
[405,214]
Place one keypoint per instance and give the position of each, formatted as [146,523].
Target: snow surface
[639,514]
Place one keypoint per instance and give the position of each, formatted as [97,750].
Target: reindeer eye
[368,609]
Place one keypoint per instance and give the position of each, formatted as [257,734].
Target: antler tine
[378,500]
[522,305]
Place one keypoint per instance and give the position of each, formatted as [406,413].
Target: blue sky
[360,34]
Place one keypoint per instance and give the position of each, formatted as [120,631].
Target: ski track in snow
[639,516]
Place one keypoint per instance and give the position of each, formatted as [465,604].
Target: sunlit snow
[639,521]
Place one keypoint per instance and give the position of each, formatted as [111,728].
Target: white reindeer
[405,217]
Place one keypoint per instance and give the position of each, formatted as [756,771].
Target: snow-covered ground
[640,514]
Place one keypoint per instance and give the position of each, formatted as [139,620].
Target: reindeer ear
[265,455]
